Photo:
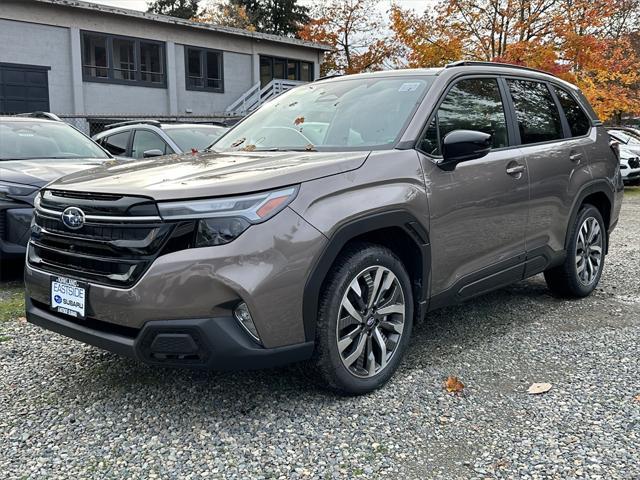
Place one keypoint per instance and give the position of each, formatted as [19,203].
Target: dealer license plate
[68,296]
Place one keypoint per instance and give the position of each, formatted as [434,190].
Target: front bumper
[216,343]
[631,176]
[266,267]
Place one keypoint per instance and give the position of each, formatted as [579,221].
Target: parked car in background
[635,130]
[629,165]
[34,150]
[412,190]
[629,146]
[150,138]
[625,136]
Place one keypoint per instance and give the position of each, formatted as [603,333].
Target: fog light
[243,316]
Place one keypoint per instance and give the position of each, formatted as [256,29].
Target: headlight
[15,190]
[221,220]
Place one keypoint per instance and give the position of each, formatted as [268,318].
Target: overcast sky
[383,5]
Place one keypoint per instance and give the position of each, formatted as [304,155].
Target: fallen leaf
[538,388]
[637,398]
[453,385]
[22,319]
[310,147]
[248,148]
[298,121]
[194,151]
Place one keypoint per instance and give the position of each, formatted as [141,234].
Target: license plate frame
[68,296]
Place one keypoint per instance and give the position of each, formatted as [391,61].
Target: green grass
[11,302]
[632,192]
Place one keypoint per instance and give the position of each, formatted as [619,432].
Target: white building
[78,58]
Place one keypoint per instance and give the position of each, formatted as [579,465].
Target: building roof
[185,23]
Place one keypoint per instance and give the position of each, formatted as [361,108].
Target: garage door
[23,88]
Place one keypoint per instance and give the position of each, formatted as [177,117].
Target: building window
[204,70]
[115,59]
[286,69]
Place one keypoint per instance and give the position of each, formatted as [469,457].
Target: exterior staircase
[256,96]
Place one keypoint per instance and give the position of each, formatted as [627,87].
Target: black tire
[329,366]
[564,279]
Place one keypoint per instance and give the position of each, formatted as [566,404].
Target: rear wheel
[365,319]
[580,273]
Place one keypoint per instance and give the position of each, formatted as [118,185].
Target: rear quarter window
[578,121]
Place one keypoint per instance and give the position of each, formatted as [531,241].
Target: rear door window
[536,112]
[579,123]
[471,104]
[117,143]
[145,140]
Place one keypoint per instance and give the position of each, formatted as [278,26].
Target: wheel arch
[599,194]
[398,230]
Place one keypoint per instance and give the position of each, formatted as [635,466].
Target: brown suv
[328,221]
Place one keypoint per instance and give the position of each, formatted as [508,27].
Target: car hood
[42,171]
[209,174]
[629,152]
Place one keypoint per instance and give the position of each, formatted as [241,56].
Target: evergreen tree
[175,8]
[279,17]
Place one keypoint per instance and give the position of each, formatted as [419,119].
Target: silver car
[150,138]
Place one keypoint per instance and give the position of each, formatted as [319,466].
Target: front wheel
[365,319]
[580,273]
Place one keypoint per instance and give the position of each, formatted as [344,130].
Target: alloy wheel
[371,321]
[589,251]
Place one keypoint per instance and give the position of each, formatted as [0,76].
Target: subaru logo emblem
[73,218]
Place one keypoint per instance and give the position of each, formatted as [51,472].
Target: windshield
[356,114]
[194,137]
[625,137]
[22,140]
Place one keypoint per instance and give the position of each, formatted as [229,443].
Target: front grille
[114,247]
[634,162]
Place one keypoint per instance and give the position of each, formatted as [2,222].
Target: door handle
[515,170]
[575,157]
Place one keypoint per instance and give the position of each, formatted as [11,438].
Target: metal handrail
[256,96]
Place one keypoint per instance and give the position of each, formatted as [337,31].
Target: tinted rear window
[536,112]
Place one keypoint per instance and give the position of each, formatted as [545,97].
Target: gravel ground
[72,411]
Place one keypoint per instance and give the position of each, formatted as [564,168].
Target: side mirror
[463,145]
[152,153]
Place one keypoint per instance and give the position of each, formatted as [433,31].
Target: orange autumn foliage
[352,28]
[587,42]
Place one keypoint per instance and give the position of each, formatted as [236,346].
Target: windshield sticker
[409,87]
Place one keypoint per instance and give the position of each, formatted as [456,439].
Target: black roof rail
[472,63]
[134,122]
[46,115]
